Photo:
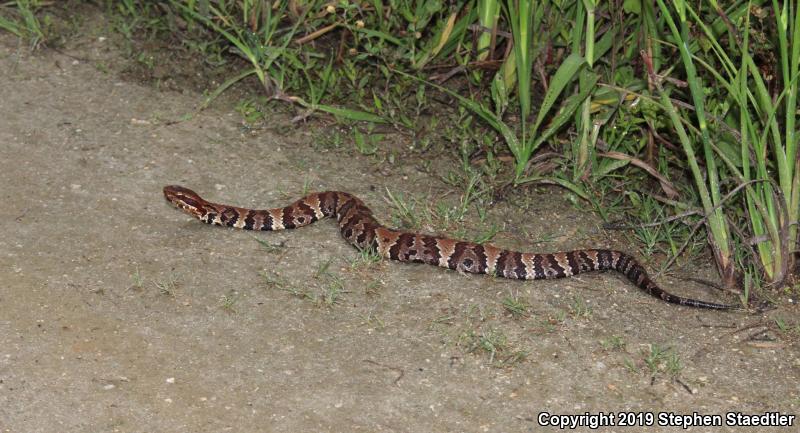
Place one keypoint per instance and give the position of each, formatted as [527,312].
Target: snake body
[359,227]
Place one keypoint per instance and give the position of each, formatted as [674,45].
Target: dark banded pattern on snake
[359,227]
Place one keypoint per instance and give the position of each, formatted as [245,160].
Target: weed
[470,195]
[447,319]
[373,287]
[494,343]
[268,247]
[147,60]
[24,23]
[486,236]
[228,301]
[477,312]
[785,326]
[250,112]
[307,186]
[490,342]
[333,292]
[515,357]
[274,281]
[579,308]
[404,213]
[324,269]
[367,144]
[654,358]
[631,365]
[780,322]
[138,279]
[167,287]
[516,307]
[662,359]
[615,342]
[374,322]
[365,257]
[673,364]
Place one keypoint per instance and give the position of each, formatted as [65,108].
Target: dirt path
[119,313]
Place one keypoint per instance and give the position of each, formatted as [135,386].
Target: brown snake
[359,227]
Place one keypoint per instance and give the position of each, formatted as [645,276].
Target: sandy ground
[119,313]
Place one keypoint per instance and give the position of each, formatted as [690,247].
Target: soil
[119,313]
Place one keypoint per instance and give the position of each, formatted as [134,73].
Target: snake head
[186,200]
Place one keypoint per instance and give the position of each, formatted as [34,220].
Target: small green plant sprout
[367,144]
[630,364]
[579,308]
[273,280]
[268,247]
[780,322]
[494,343]
[491,342]
[333,292]
[515,306]
[559,318]
[654,358]
[374,322]
[673,364]
[250,112]
[373,288]
[662,359]
[614,342]
[138,280]
[487,235]
[228,300]
[324,269]
[167,287]
[365,257]
[404,210]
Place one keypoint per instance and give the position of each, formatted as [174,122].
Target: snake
[359,227]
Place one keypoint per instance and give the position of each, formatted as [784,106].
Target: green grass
[443,215]
[614,342]
[274,281]
[579,309]
[404,212]
[630,365]
[662,360]
[269,247]
[229,301]
[365,258]
[369,143]
[332,293]
[494,344]
[332,288]
[21,18]
[327,292]
[789,327]
[138,279]
[373,287]
[516,307]
[167,286]
[372,321]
